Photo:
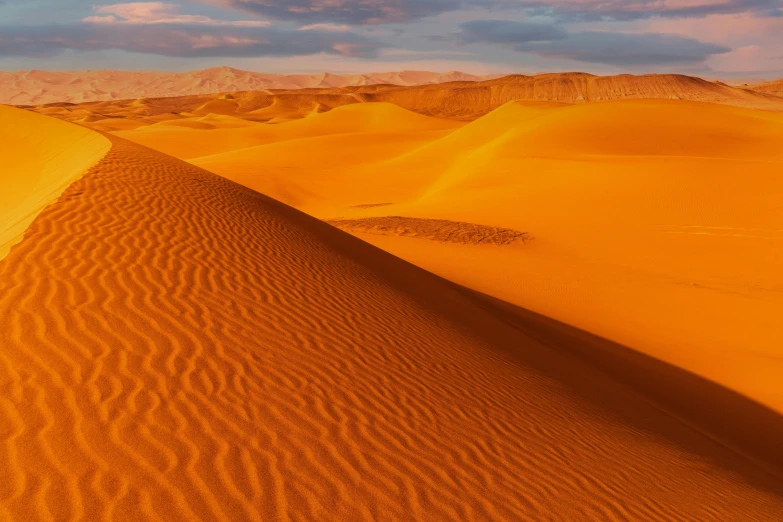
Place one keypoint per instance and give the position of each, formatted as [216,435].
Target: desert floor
[552,311]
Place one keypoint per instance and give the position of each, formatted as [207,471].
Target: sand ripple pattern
[433,229]
[177,347]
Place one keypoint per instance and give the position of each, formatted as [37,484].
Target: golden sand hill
[181,137]
[37,87]
[774,87]
[40,158]
[178,347]
[666,206]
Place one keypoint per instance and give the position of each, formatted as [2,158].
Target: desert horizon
[230,295]
[38,87]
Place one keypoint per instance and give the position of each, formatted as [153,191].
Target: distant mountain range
[40,87]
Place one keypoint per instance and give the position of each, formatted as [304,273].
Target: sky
[710,38]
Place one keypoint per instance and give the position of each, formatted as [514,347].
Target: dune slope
[178,347]
[184,139]
[774,87]
[41,157]
[670,207]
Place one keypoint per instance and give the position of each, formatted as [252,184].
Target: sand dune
[774,87]
[467,101]
[37,87]
[227,134]
[179,347]
[459,100]
[670,207]
[41,157]
[290,160]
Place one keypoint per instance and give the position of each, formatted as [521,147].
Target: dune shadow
[689,412]
[748,428]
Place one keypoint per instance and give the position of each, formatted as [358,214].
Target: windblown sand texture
[178,347]
[668,206]
[433,229]
[774,87]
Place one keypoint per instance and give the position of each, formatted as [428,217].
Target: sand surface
[40,158]
[668,207]
[178,347]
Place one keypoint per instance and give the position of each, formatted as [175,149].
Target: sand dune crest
[41,157]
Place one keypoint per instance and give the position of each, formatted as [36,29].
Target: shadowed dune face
[179,347]
[667,206]
[41,157]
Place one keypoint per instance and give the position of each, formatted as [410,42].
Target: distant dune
[645,202]
[37,87]
[178,347]
[461,101]
[774,87]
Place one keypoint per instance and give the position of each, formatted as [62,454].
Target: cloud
[355,12]
[626,49]
[326,27]
[180,40]
[351,12]
[507,32]
[157,13]
[626,10]
[609,48]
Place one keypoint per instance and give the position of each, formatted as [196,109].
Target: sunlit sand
[400,307]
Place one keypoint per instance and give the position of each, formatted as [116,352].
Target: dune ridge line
[41,157]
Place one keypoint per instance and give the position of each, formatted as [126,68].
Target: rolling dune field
[549,310]
[670,207]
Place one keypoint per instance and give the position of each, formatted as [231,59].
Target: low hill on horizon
[774,87]
[459,100]
[38,87]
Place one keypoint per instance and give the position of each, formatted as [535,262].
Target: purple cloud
[610,48]
[180,40]
[396,11]
[345,11]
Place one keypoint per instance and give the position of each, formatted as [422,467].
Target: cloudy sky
[716,38]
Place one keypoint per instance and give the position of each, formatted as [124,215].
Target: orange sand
[41,157]
[633,202]
[178,347]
